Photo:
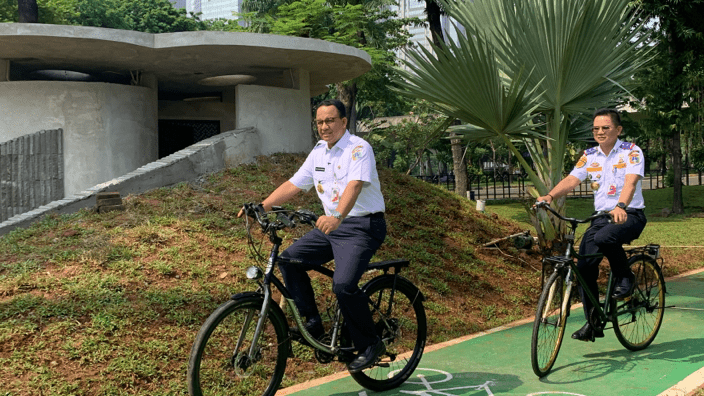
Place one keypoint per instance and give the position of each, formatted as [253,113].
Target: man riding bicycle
[342,169]
[615,169]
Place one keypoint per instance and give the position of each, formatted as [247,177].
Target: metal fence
[31,172]
[490,187]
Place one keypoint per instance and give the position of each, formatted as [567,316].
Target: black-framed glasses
[328,121]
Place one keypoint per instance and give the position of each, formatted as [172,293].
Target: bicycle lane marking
[502,355]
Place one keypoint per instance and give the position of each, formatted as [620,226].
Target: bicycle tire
[549,325]
[408,332]
[637,320]
[217,367]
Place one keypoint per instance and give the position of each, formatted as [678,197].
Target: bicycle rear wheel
[549,324]
[637,320]
[401,324]
[223,361]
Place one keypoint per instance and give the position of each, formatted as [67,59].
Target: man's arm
[282,194]
[629,188]
[328,224]
[562,188]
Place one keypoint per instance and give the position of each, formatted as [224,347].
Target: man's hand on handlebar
[618,215]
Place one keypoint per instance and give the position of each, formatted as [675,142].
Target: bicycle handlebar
[285,218]
[545,205]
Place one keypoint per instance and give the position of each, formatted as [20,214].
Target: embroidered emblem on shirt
[357,152]
[595,186]
[627,145]
[335,195]
[612,190]
[594,167]
[582,161]
[634,157]
[320,187]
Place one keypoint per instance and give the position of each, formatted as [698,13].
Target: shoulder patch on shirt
[582,161]
[592,150]
[634,157]
[357,152]
[627,145]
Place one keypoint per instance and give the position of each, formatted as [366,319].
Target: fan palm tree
[529,60]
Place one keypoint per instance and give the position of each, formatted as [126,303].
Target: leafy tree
[526,71]
[58,12]
[373,29]
[669,82]
[153,16]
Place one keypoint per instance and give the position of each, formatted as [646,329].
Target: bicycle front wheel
[400,321]
[549,324]
[637,320]
[223,359]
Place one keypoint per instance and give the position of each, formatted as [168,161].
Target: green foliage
[153,16]
[402,145]
[525,71]
[58,12]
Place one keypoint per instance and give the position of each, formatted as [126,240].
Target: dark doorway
[175,135]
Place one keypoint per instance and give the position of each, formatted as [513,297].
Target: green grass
[671,231]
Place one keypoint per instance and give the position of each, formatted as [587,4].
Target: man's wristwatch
[336,215]
[621,205]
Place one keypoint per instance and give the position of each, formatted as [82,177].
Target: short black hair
[613,113]
[334,102]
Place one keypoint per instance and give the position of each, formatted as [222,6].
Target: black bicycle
[635,320]
[242,348]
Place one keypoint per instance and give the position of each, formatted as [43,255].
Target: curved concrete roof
[179,60]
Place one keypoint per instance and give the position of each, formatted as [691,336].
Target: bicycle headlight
[254,273]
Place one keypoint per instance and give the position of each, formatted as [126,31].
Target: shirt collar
[618,144]
[340,143]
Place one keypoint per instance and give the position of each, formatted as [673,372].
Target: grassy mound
[94,304]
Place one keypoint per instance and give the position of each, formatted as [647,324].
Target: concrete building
[123,99]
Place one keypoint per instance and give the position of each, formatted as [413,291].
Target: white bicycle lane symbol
[430,391]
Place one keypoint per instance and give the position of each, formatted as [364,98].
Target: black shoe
[367,358]
[587,333]
[624,287]
[314,326]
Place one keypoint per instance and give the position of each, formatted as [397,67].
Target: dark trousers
[352,246]
[607,238]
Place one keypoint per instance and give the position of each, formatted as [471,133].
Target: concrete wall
[282,116]
[109,129]
[31,172]
[210,155]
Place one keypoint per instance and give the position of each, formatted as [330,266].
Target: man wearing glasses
[613,169]
[342,169]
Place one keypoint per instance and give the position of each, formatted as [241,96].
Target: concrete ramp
[210,155]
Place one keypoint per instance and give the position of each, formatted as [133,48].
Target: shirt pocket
[340,171]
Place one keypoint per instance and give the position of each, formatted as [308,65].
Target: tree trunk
[433,13]
[676,151]
[27,10]
[347,95]
[459,166]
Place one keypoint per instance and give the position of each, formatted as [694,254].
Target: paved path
[498,362]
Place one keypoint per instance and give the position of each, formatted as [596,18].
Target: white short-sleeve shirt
[329,171]
[606,174]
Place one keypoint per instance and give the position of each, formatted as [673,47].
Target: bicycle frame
[573,271]
[265,287]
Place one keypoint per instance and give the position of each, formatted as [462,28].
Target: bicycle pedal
[383,364]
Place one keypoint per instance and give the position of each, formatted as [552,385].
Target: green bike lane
[497,362]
